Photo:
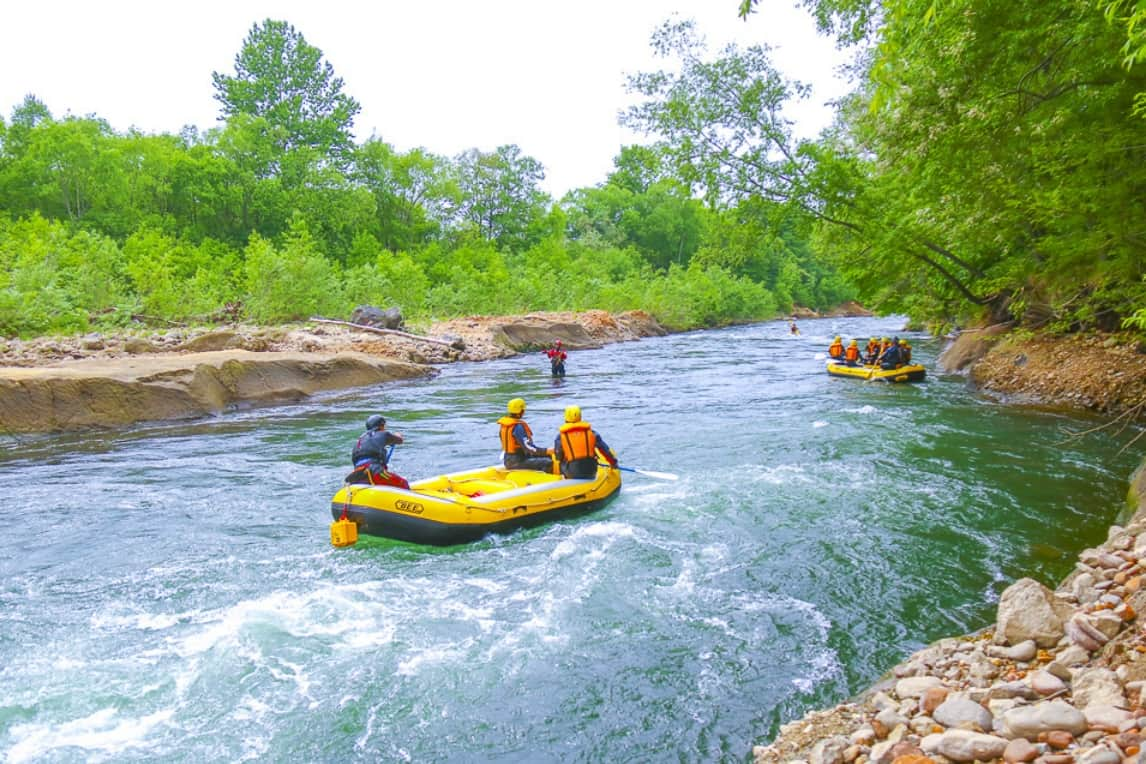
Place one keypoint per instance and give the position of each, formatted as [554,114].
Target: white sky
[447,75]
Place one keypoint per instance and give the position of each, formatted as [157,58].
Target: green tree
[500,193]
[415,193]
[284,80]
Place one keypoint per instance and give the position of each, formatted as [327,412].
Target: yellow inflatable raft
[913,373]
[465,506]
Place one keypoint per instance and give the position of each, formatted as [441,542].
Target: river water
[168,593]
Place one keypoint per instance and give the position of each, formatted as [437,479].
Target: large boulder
[368,315]
[1029,610]
[970,346]
[524,336]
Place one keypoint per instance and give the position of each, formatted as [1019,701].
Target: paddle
[647,473]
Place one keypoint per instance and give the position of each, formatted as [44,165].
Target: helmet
[903,342]
[885,339]
[374,421]
[853,343]
[557,343]
[572,413]
[875,339]
[837,339]
[516,406]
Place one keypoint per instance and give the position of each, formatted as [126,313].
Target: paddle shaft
[648,473]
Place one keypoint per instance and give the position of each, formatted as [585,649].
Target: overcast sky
[447,75]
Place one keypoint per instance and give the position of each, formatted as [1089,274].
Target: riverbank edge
[1074,695]
[100,381]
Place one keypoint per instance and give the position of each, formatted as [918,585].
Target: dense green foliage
[278,214]
[991,163]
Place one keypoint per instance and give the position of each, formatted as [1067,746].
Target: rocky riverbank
[1057,679]
[1060,677]
[98,380]
[1105,373]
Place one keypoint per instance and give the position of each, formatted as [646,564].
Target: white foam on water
[253,712]
[610,531]
[428,656]
[865,409]
[819,423]
[141,621]
[102,732]
[779,474]
[822,666]
[685,582]
[487,585]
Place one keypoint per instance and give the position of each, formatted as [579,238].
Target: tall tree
[415,193]
[284,80]
[501,193]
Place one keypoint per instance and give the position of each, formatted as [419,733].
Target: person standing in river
[518,450]
[371,455]
[557,357]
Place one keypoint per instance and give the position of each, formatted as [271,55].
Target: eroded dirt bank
[1103,373]
[53,384]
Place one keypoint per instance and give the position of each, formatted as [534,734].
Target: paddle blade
[658,475]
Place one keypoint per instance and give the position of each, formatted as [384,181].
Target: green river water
[169,593]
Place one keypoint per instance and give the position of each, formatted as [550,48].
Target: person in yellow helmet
[905,351]
[577,447]
[871,352]
[518,450]
[852,353]
[836,350]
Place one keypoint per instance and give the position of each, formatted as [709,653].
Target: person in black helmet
[370,455]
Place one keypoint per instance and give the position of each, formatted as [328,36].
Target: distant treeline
[990,165]
[278,214]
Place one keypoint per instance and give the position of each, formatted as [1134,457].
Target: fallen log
[454,344]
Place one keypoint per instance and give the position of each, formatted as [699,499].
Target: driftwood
[376,330]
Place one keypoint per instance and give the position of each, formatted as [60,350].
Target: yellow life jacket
[508,444]
[578,441]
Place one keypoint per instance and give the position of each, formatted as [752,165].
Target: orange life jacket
[578,441]
[852,353]
[836,350]
[873,347]
[508,444]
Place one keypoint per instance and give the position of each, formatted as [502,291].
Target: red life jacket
[578,441]
[508,444]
